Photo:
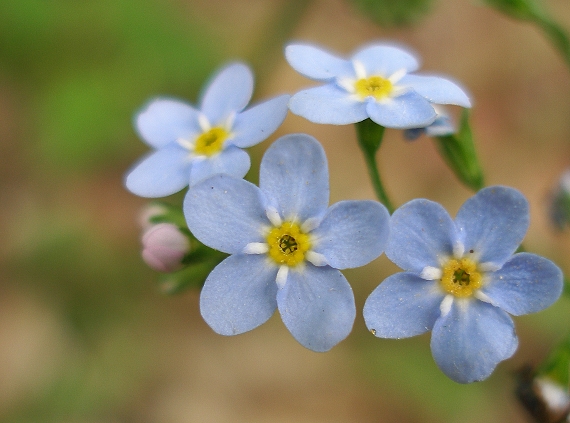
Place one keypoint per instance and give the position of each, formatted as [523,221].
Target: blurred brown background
[86,336]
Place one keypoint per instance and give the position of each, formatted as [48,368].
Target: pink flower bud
[164,247]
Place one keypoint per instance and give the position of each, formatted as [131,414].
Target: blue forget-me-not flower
[462,280]
[376,83]
[192,144]
[286,245]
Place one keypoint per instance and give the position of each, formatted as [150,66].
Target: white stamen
[188,145]
[359,69]
[310,224]
[347,84]
[445,306]
[229,123]
[396,76]
[256,248]
[316,258]
[397,90]
[458,249]
[483,297]
[430,273]
[488,267]
[204,122]
[282,276]
[273,216]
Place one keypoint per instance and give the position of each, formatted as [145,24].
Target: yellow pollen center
[375,86]
[211,142]
[460,277]
[287,244]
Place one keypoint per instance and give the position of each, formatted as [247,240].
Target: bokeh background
[87,335]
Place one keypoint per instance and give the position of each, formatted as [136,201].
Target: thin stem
[370,136]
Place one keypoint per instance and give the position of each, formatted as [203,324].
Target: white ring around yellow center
[288,244]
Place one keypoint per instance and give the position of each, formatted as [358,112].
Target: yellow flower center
[460,277]
[211,142]
[287,244]
[375,86]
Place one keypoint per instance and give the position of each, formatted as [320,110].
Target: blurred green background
[85,333]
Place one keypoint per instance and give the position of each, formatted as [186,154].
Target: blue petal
[256,124]
[315,63]
[527,283]
[317,306]
[163,121]
[239,295]
[493,223]
[409,110]
[403,305]
[384,60]
[295,178]
[231,161]
[441,126]
[352,233]
[437,90]
[469,341]
[225,213]
[328,104]
[412,134]
[421,234]
[161,173]
[229,92]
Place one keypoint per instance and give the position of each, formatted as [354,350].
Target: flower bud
[164,247]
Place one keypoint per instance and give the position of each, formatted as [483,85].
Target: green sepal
[199,264]
[458,151]
[168,214]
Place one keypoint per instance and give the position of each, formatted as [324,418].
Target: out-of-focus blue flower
[461,279]
[559,207]
[440,127]
[193,144]
[286,245]
[374,83]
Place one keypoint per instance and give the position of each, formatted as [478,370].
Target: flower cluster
[462,278]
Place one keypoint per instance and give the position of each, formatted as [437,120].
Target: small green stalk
[370,136]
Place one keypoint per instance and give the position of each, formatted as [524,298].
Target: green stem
[370,136]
